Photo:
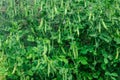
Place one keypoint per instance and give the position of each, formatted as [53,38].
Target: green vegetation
[59,39]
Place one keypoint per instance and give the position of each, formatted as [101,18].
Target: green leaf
[30,38]
[84,51]
[30,72]
[96,75]
[105,37]
[83,60]
[117,40]
[114,74]
[105,60]
[103,66]
[107,73]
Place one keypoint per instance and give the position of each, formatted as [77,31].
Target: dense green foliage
[59,39]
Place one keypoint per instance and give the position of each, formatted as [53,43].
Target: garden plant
[59,39]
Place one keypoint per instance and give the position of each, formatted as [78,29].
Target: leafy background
[59,39]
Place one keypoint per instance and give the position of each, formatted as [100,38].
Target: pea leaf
[83,60]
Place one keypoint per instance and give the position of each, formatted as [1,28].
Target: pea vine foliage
[59,40]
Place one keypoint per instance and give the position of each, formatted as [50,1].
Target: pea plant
[59,39]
